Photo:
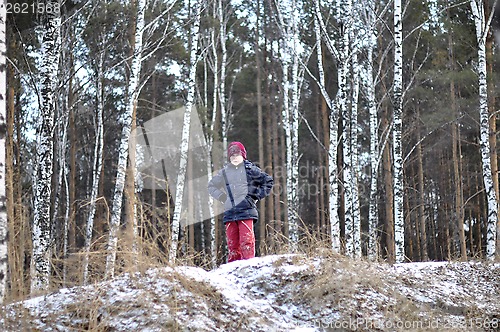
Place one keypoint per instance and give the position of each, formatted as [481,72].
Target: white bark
[356,213]
[210,140]
[66,222]
[345,19]
[3,135]
[348,182]
[222,86]
[482,28]
[332,148]
[40,264]
[369,38]
[397,131]
[293,200]
[181,177]
[62,129]
[372,108]
[67,71]
[60,137]
[288,15]
[97,165]
[210,134]
[133,91]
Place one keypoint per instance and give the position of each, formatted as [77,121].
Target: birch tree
[348,63]
[482,28]
[61,139]
[222,83]
[288,16]
[211,134]
[397,131]
[354,149]
[3,135]
[133,92]
[42,223]
[320,33]
[184,147]
[97,164]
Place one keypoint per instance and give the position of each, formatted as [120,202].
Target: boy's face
[236,158]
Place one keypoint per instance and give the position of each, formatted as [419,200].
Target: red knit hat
[236,147]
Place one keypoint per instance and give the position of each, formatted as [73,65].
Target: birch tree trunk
[42,223]
[132,94]
[399,230]
[97,165]
[130,189]
[288,15]
[356,217]
[343,16]
[3,134]
[68,105]
[181,177]
[333,137]
[372,109]
[72,180]
[211,141]
[222,84]
[60,139]
[262,206]
[492,98]
[482,28]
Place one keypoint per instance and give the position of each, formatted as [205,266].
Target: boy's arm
[266,184]
[214,187]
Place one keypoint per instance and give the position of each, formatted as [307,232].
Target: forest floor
[275,293]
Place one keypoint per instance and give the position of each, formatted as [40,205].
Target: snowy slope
[276,293]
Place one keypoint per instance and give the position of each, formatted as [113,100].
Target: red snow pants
[240,240]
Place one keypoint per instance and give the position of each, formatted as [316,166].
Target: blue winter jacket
[248,184]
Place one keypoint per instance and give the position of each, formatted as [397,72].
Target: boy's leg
[247,238]
[233,241]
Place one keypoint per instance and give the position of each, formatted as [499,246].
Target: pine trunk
[389,194]
[421,204]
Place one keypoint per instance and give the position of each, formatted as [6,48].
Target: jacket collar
[248,164]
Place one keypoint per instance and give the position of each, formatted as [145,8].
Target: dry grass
[352,289]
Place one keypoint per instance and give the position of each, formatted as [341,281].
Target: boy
[239,185]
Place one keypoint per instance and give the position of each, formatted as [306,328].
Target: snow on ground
[275,293]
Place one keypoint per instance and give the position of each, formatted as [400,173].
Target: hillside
[276,293]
